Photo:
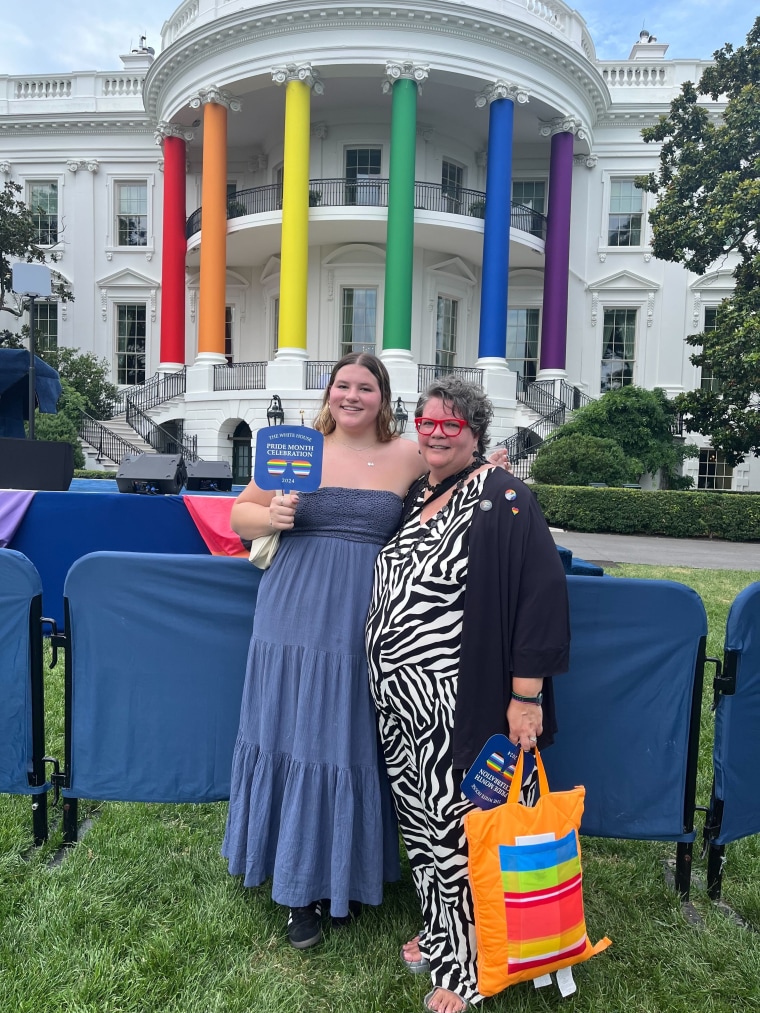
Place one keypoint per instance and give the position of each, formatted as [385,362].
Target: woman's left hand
[500,459]
[526,722]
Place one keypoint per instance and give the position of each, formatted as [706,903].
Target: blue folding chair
[22,714]
[628,710]
[734,810]
[154,676]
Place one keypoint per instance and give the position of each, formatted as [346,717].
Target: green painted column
[399,256]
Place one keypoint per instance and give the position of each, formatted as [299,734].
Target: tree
[579,459]
[18,242]
[641,422]
[87,375]
[708,190]
[63,427]
[86,387]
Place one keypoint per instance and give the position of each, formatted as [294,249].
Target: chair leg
[715,859]
[70,814]
[40,819]
[683,869]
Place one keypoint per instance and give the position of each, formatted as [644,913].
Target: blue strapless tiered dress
[310,804]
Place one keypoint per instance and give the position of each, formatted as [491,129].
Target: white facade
[93,136]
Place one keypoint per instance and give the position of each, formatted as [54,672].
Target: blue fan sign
[288,458]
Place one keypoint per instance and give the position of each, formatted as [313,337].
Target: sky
[91,34]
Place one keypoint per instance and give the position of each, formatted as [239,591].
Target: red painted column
[174,252]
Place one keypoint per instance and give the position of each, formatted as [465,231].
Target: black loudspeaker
[208,476]
[35,464]
[151,474]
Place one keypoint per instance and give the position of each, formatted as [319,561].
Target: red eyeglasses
[449,427]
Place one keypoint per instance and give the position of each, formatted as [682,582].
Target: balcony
[373,193]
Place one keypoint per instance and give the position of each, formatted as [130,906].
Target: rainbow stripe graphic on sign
[495,762]
[544,903]
[301,468]
[276,465]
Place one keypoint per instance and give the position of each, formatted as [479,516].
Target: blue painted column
[494,298]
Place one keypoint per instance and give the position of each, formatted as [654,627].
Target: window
[713,472]
[228,334]
[530,193]
[362,164]
[45,326]
[522,342]
[359,314]
[452,181]
[130,343]
[43,203]
[446,331]
[707,380]
[626,213]
[618,349]
[132,214]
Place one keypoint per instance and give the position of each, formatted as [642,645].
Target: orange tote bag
[525,873]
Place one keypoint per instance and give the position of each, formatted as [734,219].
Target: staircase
[129,430]
[552,407]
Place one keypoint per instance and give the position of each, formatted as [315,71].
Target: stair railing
[108,444]
[162,441]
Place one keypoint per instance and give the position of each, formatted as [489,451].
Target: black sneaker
[305,926]
[354,913]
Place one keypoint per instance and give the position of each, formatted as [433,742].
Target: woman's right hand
[282,511]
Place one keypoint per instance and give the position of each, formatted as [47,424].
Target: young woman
[310,804]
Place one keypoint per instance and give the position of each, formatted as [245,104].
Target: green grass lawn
[142,917]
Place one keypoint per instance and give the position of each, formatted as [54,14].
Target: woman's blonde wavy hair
[385,422]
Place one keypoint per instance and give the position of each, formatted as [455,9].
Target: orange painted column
[213,234]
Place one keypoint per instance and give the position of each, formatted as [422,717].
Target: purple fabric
[13,507]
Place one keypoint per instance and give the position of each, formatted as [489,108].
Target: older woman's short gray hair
[467,400]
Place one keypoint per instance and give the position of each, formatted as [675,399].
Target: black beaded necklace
[457,480]
[415,498]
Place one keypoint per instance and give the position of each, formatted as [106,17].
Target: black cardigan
[516,618]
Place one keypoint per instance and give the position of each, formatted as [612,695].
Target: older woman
[468,622]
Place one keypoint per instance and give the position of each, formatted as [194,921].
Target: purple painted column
[557,257]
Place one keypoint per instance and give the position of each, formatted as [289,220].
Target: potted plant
[315,198]
[478,208]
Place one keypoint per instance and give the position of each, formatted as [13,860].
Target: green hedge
[733,516]
[85,473]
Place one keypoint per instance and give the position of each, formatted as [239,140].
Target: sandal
[426,1001]
[421,966]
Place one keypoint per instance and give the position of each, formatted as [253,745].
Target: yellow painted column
[294,269]
[213,277]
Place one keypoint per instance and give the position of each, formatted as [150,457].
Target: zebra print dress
[413,640]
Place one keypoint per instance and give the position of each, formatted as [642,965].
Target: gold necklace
[363,450]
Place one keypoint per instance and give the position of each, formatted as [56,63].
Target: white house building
[448,185]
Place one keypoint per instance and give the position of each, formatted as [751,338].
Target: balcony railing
[429,374]
[318,373]
[373,192]
[240,376]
